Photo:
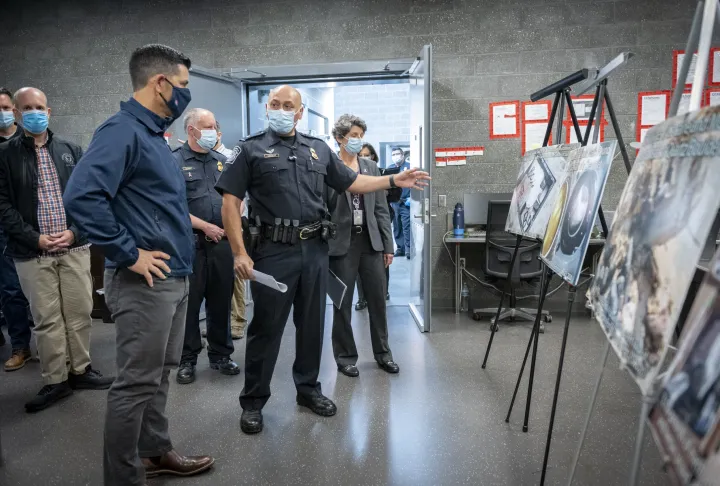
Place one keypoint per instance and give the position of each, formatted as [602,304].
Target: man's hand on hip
[151,263]
[244,266]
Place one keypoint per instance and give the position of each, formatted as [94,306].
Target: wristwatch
[392,182]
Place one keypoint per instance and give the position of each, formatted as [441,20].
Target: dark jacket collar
[29,142]
[154,122]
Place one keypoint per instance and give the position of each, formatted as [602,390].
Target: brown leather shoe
[174,464]
[18,359]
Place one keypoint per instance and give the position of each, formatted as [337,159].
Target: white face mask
[396,158]
[208,139]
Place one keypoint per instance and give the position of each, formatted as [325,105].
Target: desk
[480,237]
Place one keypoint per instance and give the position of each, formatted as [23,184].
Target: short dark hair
[5,91]
[397,149]
[373,153]
[152,59]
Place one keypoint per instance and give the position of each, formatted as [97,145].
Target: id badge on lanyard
[358,216]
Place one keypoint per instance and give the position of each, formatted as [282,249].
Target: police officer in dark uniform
[287,175]
[213,277]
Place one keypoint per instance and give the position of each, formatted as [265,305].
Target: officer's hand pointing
[244,266]
[412,178]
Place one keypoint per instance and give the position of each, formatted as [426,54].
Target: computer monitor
[497,215]
[476,206]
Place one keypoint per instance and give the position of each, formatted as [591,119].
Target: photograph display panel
[541,172]
[573,216]
[658,233]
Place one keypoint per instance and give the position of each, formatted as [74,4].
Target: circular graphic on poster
[555,218]
[579,216]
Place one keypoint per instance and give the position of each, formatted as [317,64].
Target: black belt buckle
[306,233]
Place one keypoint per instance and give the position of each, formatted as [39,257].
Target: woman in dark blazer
[368,152]
[363,246]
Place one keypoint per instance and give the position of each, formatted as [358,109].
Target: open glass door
[421,156]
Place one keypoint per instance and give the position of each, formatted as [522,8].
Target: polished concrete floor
[439,422]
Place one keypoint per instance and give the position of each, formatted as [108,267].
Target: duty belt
[285,232]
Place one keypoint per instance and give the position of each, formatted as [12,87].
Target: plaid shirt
[51,212]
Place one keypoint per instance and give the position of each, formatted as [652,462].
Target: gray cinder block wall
[485,50]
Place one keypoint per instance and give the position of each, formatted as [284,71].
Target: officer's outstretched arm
[412,178]
[231,216]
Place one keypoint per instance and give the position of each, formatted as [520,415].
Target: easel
[602,98]
[700,39]
[561,89]
[562,95]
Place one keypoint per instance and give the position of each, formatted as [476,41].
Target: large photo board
[573,216]
[686,421]
[541,173]
[660,227]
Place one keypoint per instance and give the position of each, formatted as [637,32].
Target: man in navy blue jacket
[128,194]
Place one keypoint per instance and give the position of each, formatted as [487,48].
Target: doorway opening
[385,106]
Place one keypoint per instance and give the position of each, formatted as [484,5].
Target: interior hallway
[439,422]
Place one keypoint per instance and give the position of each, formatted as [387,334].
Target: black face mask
[178,102]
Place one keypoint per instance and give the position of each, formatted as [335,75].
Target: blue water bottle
[459,220]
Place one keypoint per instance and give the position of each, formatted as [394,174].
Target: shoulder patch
[237,150]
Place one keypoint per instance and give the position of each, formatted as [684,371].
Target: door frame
[393,69]
[424,320]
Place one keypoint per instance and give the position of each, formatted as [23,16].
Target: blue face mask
[178,102]
[7,119]
[354,145]
[35,121]
[208,139]
[281,121]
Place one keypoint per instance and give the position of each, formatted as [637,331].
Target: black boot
[90,380]
[319,404]
[48,395]
[186,373]
[226,366]
[251,421]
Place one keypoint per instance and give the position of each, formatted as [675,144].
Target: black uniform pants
[304,269]
[212,280]
[361,292]
[361,259]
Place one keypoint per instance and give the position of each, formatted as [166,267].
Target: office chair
[499,247]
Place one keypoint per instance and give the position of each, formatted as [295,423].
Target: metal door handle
[417,216]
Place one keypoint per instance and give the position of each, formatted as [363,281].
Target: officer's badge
[313,153]
[270,150]
[220,166]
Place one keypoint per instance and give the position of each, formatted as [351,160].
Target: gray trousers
[150,326]
[360,260]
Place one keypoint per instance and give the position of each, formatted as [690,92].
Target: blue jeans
[14,305]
